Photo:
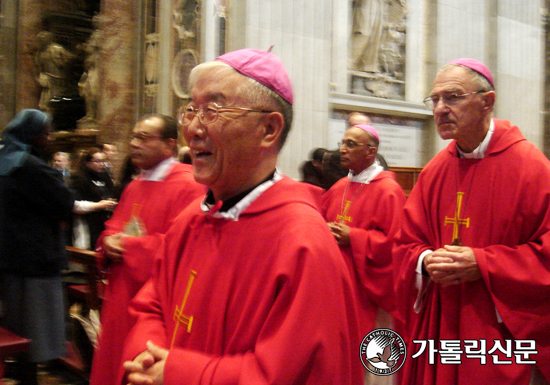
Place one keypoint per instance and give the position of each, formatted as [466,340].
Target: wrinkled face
[147,147]
[60,162]
[461,120]
[225,153]
[97,163]
[357,153]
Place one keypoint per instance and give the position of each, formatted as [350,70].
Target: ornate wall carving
[377,55]
[186,22]
[169,53]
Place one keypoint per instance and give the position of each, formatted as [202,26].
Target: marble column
[118,68]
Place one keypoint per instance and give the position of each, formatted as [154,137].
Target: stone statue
[54,63]
[88,84]
[185,16]
[378,48]
[367,27]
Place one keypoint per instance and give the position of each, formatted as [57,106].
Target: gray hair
[61,153]
[478,79]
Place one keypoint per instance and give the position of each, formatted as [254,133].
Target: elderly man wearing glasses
[128,244]
[363,211]
[475,245]
[250,287]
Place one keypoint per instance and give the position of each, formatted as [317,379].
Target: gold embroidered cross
[179,317]
[344,216]
[457,221]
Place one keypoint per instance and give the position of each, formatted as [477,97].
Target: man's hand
[340,232]
[452,265]
[112,245]
[148,367]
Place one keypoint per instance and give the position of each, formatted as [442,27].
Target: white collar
[234,212]
[158,172]
[368,174]
[481,150]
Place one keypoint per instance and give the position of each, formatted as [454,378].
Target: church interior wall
[312,38]
[300,33]
[520,68]
[8,61]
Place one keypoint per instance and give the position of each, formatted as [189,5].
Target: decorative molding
[184,62]
[374,105]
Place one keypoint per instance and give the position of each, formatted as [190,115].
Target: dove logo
[383,352]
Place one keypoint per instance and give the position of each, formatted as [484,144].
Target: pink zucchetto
[477,66]
[263,67]
[370,129]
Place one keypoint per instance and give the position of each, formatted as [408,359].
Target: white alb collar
[234,212]
[481,150]
[368,174]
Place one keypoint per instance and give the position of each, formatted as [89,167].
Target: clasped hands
[340,232]
[148,367]
[452,265]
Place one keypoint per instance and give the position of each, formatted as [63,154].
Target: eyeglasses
[142,137]
[207,113]
[449,100]
[350,144]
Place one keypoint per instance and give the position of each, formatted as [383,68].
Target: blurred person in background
[34,201]
[95,199]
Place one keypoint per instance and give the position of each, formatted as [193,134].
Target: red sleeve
[114,225]
[281,352]
[413,238]
[372,248]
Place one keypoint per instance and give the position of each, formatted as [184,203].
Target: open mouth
[201,154]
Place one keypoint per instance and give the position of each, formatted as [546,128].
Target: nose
[134,143]
[440,103]
[342,149]
[194,128]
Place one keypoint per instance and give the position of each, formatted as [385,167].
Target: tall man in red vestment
[363,212]
[250,287]
[131,237]
[475,245]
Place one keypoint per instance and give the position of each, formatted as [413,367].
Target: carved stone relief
[377,60]
[89,83]
[186,21]
[151,64]
[54,65]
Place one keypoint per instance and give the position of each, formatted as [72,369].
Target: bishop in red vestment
[363,211]
[265,299]
[146,209]
[250,288]
[475,245]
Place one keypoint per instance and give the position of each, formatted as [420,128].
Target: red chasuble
[148,207]
[505,218]
[266,299]
[373,212]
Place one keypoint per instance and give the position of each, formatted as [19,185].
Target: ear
[172,146]
[273,124]
[489,98]
[372,152]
